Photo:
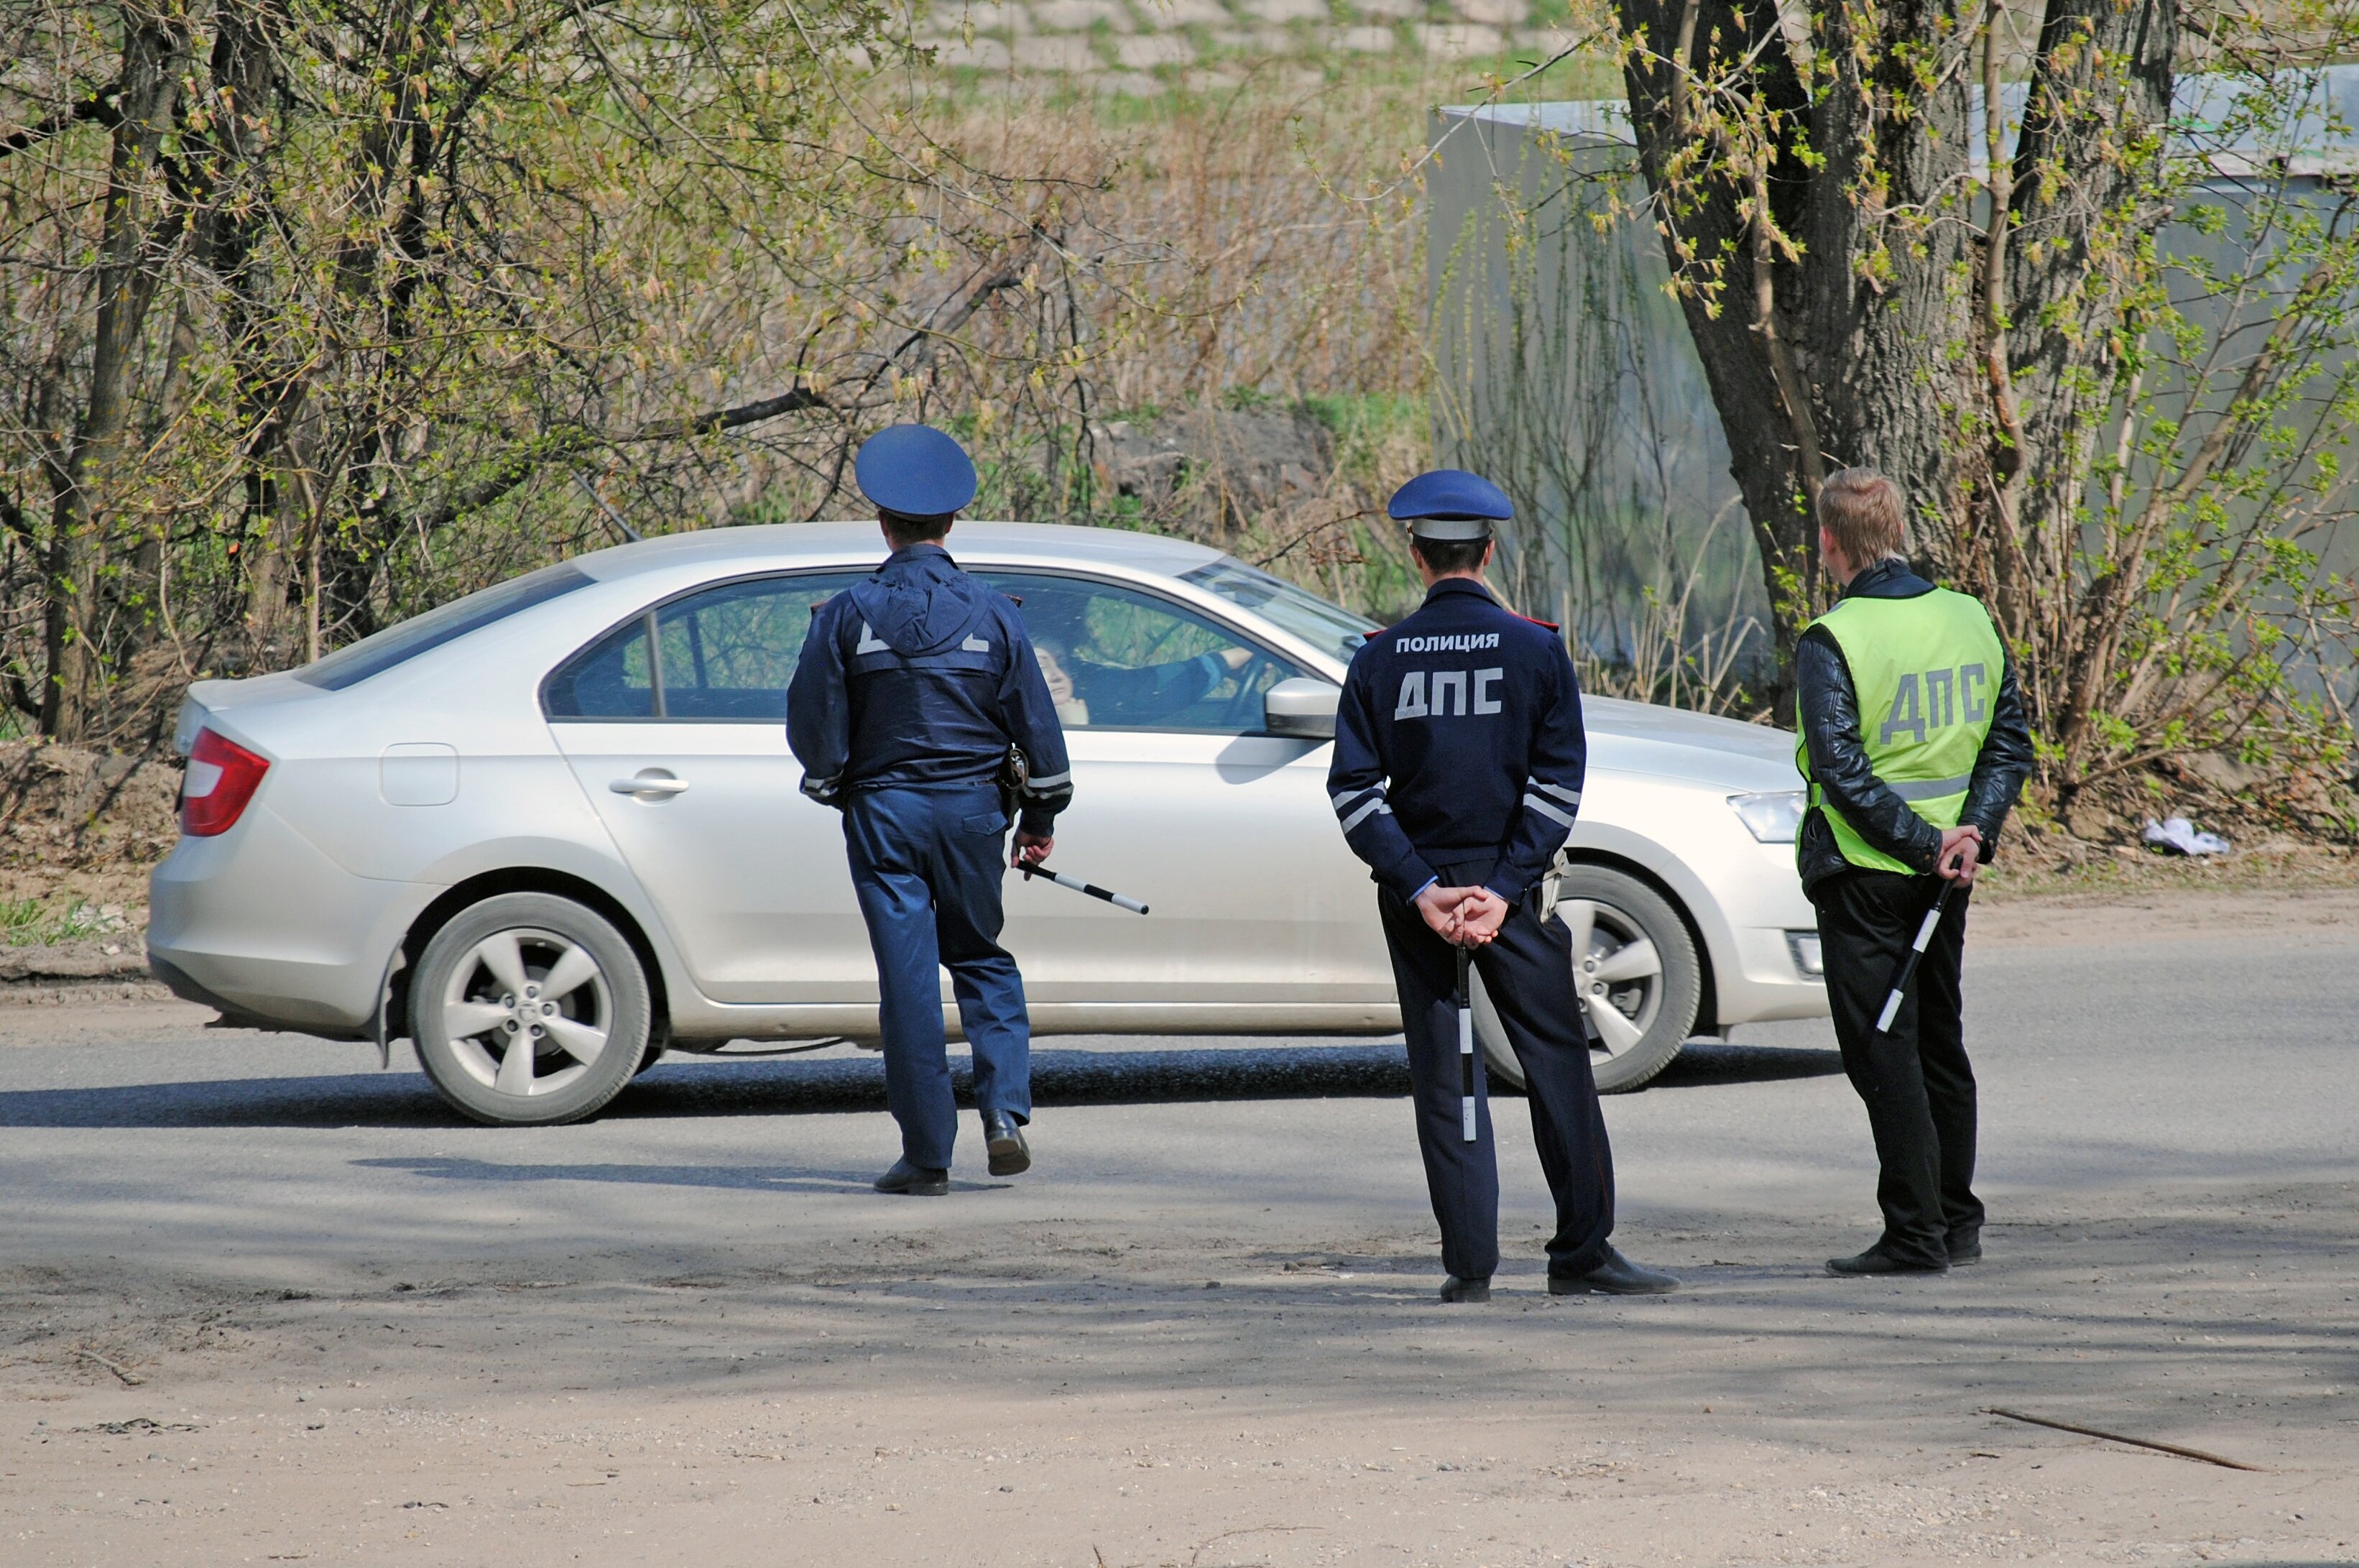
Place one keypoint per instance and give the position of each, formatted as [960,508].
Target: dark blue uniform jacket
[1459,738]
[922,675]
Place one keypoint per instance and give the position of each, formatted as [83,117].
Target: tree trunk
[1890,260]
[392,171]
[1764,457]
[1877,287]
[155,49]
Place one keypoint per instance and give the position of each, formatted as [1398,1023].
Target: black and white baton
[1908,970]
[1465,1048]
[1078,886]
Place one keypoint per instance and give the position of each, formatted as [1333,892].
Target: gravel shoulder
[1202,1334]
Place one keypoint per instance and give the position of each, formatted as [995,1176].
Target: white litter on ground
[2178,833]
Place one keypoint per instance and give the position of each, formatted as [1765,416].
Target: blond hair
[1865,514]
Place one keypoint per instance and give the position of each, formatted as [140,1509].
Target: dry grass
[2031,869]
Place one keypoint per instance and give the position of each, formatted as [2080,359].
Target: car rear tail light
[222,777]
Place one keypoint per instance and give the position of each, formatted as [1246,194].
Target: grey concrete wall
[1568,374]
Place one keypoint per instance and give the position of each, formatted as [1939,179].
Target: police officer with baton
[1914,746]
[1459,755]
[912,688]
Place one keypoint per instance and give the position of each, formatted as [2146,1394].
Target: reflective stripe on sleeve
[1364,813]
[1551,812]
[1570,797]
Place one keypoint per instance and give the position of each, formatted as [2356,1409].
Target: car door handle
[658,784]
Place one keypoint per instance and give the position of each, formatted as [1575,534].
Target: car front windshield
[1329,627]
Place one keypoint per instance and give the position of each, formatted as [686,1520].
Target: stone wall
[1141,47]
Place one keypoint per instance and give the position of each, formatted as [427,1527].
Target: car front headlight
[1773,818]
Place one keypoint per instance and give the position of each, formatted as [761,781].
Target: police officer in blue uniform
[1459,755]
[912,689]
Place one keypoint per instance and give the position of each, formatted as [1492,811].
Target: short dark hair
[1446,556]
[906,531]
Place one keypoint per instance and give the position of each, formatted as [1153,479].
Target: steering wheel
[1244,710]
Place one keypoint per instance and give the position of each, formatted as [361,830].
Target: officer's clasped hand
[1962,850]
[1464,917]
[1031,849]
[1480,917]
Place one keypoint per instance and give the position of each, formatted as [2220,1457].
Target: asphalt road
[260,1228]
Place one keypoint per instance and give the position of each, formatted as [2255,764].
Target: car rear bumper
[260,924]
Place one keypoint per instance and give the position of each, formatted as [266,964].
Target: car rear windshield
[1282,604]
[398,645]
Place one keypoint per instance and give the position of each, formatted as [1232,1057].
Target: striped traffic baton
[1465,1047]
[1078,886]
[1908,970]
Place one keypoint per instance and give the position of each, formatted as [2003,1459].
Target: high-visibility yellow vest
[1927,671]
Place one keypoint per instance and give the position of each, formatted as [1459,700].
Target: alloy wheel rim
[1616,971]
[528,1012]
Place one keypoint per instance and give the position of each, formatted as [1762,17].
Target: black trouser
[1528,973]
[1915,1080]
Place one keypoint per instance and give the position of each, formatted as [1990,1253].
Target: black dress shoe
[914,1181]
[1617,1276]
[1875,1260]
[1965,1246]
[1453,1289]
[1003,1139]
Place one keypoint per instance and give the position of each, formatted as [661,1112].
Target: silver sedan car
[552,830]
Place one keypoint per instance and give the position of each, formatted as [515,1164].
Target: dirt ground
[1193,1371]
[1126,1394]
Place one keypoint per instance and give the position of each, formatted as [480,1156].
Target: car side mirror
[1302,707]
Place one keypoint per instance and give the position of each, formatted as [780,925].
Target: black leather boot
[1875,1260]
[1617,1276]
[1965,1246]
[1003,1139]
[914,1181]
[1453,1289]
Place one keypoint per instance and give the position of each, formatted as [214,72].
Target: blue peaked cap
[915,469]
[1451,504]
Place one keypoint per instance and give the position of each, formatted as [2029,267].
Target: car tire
[1659,988]
[539,974]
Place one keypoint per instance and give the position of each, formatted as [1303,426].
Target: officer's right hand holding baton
[1961,853]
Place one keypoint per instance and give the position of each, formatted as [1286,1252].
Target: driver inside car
[1128,696]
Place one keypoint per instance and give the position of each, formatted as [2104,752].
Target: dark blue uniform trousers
[926,863]
[1527,972]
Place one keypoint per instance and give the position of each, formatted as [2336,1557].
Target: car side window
[728,653]
[611,679]
[1116,657]
[722,655]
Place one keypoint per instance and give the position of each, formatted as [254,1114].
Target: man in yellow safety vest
[1914,746]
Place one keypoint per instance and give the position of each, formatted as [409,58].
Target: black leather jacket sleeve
[2003,765]
[1840,766]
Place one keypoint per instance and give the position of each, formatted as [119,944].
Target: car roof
[825,543]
